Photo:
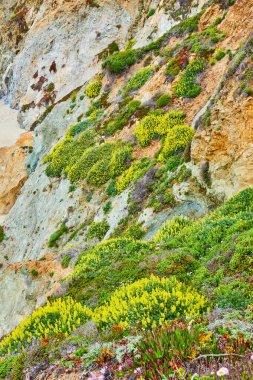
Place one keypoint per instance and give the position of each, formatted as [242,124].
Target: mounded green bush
[99,173]
[163,100]
[98,230]
[120,120]
[136,171]
[120,60]
[93,89]
[146,130]
[120,161]
[186,86]
[157,125]
[91,156]
[1,234]
[177,139]
[56,236]
[139,79]
[171,228]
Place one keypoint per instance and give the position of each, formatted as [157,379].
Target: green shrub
[121,119]
[120,60]
[6,367]
[163,100]
[151,12]
[74,130]
[120,161]
[177,139]
[93,89]
[98,230]
[1,234]
[136,171]
[149,302]
[146,130]
[169,120]
[139,79]
[173,67]
[99,174]
[135,231]
[65,261]
[68,151]
[111,190]
[107,207]
[234,295]
[157,125]
[91,156]
[34,273]
[186,86]
[219,55]
[57,235]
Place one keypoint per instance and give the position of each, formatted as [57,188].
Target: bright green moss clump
[139,79]
[93,89]
[186,86]
[150,302]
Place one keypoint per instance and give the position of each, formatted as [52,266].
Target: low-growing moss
[57,235]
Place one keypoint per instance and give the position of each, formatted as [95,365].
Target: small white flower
[251,358]
[223,371]
[194,375]
[137,371]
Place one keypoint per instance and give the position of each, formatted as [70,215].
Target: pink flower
[120,367]
[223,371]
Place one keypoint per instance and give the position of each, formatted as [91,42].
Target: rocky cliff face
[50,50]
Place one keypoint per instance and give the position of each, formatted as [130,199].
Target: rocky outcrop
[13,173]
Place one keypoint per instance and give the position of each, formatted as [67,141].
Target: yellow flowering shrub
[177,138]
[132,174]
[157,125]
[149,302]
[58,317]
[93,89]
[171,228]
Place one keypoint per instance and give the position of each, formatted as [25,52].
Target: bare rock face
[228,146]
[13,173]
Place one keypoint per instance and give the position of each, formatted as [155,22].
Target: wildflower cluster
[57,317]
[149,302]
[157,125]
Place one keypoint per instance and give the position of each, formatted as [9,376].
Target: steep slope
[142,120]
